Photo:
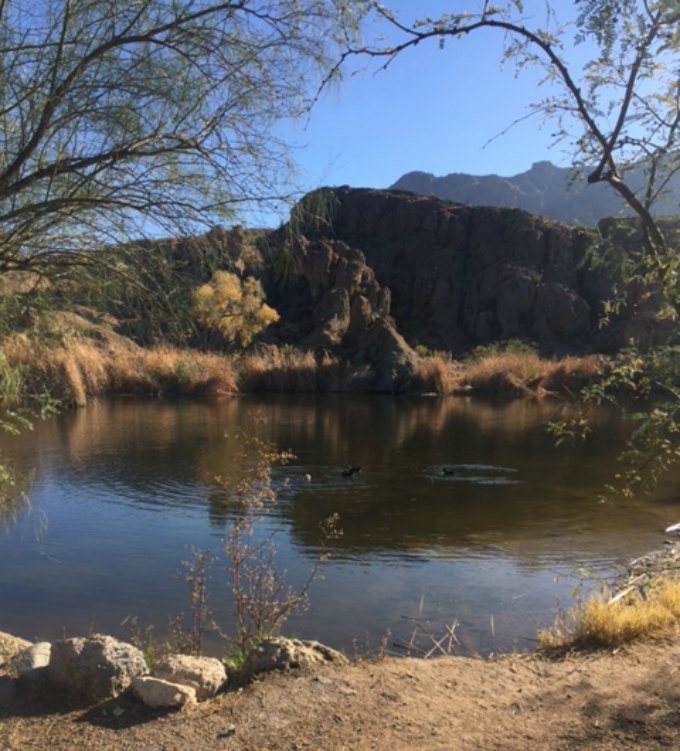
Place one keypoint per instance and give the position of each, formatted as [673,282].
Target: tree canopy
[235,307]
[118,118]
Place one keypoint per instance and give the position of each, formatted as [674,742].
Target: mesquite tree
[120,118]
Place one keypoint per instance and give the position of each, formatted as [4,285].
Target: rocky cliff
[389,264]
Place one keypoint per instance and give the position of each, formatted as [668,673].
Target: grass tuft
[434,374]
[603,623]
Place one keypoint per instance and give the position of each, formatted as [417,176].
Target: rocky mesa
[389,270]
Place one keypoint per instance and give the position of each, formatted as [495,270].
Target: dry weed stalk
[435,645]
[262,599]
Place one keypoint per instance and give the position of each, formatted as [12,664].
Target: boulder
[279,653]
[206,675]
[31,663]
[95,667]
[8,690]
[159,694]
[10,646]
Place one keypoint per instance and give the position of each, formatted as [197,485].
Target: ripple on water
[474,474]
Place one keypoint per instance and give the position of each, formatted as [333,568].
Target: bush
[234,307]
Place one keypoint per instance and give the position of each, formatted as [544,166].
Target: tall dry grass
[77,369]
[603,623]
[293,370]
[284,369]
[524,372]
[435,374]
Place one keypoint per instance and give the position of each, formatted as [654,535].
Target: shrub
[233,307]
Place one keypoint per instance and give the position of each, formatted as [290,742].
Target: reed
[284,369]
[293,370]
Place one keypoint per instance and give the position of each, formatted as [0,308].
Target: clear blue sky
[432,110]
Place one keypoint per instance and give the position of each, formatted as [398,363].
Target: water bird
[351,471]
[448,471]
[307,477]
[673,528]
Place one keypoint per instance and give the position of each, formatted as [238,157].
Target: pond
[121,492]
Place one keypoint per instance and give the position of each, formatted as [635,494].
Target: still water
[121,492]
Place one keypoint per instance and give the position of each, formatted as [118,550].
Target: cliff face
[450,277]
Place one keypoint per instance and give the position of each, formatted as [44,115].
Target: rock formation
[390,264]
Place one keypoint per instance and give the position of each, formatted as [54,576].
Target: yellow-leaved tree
[234,307]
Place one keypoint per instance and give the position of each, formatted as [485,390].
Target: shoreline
[623,700]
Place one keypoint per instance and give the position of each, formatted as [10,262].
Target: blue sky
[432,110]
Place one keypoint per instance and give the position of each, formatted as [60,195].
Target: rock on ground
[96,667]
[158,694]
[206,675]
[31,663]
[10,646]
[283,654]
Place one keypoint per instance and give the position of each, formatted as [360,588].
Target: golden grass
[278,369]
[571,374]
[77,369]
[436,374]
[601,623]
[292,370]
[516,373]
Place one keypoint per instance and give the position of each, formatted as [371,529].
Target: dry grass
[571,374]
[603,623]
[293,370]
[278,369]
[83,364]
[437,374]
[525,372]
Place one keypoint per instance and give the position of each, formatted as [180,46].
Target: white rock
[157,693]
[97,667]
[205,674]
[280,653]
[31,663]
[10,646]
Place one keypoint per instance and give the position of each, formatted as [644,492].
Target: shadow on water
[466,506]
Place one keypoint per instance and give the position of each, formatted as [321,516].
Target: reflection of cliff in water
[508,487]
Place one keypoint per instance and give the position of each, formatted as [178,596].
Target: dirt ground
[626,700]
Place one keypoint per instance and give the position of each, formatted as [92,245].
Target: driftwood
[642,572]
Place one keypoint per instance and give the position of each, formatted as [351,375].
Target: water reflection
[467,504]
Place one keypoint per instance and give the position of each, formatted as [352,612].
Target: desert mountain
[554,192]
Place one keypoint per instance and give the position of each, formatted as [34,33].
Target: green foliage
[153,116]
[310,216]
[18,410]
[234,661]
[517,347]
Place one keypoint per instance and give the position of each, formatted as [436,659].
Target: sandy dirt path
[627,700]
